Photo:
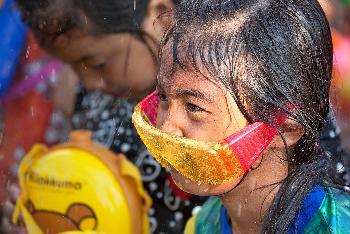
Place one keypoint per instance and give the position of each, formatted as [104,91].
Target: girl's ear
[158,18]
[292,132]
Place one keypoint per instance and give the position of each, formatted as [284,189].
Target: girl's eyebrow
[85,58]
[194,93]
[187,92]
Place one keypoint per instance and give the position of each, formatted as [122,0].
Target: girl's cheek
[204,132]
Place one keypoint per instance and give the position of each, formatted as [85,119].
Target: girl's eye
[162,97]
[98,66]
[194,108]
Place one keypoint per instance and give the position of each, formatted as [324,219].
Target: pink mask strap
[249,144]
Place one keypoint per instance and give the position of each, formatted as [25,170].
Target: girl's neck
[248,203]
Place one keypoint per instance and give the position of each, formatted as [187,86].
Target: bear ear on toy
[83,215]
[77,217]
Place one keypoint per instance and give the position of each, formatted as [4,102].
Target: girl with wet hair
[113,46]
[102,40]
[256,73]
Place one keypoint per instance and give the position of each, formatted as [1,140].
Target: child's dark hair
[50,18]
[270,54]
[54,17]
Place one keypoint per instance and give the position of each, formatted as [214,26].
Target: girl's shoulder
[325,209]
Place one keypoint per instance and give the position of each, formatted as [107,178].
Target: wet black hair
[54,17]
[270,54]
[108,16]
[50,18]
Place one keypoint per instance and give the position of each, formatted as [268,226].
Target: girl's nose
[171,127]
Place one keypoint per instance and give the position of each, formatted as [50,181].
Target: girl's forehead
[181,80]
[181,58]
[186,63]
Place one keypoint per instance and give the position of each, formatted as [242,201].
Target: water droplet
[206,189]
[28,52]
[32,111]
[340,168]
[196,210]
[332,134]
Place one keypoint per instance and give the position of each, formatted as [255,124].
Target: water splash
[28,51]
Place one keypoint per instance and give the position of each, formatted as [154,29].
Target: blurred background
[43,97]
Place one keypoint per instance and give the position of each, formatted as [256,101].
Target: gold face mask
[202,162]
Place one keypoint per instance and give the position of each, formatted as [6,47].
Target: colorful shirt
[324,210]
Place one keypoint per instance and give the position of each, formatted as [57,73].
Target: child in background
[113,47]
